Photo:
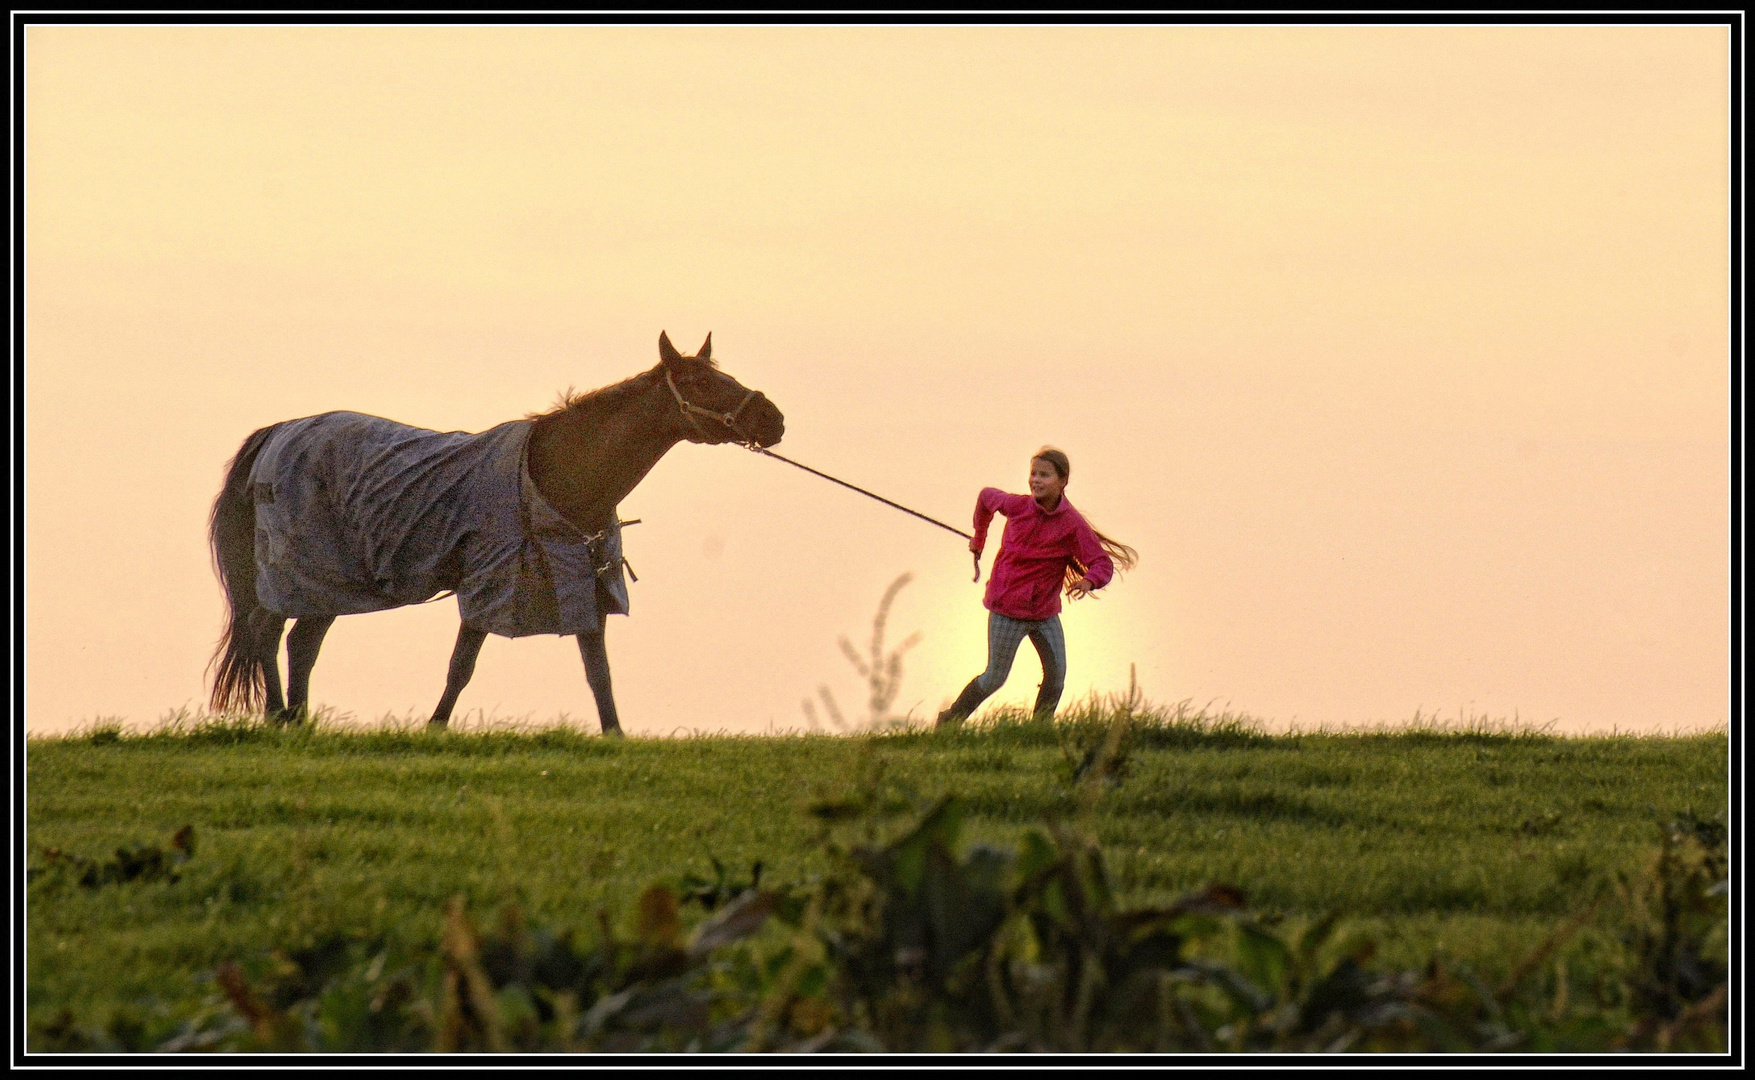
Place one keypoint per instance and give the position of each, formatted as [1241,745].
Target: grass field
[1470,846]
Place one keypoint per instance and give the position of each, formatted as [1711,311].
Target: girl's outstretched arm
[991,501]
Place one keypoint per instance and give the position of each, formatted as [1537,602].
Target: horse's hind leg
[596,656]
[301,655]
[463,657]
[265,629]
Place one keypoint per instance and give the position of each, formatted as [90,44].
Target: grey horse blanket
[356,513]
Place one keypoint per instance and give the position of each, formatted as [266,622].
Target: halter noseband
[729,419]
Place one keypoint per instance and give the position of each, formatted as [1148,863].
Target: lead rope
[856,487]
[751,446]
[729,419]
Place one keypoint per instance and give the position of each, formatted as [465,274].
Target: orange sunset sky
[1399,353]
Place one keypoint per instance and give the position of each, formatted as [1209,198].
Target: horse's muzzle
[768,426]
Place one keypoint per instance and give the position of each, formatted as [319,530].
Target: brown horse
[343,513]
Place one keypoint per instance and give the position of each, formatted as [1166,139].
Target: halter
[729,419]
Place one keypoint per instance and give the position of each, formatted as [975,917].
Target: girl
[1046,542]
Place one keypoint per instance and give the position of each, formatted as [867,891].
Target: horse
[343,513]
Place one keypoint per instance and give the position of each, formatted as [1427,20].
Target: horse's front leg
[301,656]
[463,656]
[596,657]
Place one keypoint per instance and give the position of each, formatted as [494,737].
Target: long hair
[1124,557]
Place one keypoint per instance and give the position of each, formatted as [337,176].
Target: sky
[1399,353]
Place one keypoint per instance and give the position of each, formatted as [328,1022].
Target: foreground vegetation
[1130,878]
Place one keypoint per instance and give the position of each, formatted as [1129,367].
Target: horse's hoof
[612,732]
[438,725]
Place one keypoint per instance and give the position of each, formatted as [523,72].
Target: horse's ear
[666,351]
[706,352]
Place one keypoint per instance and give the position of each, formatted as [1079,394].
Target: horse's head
[713,406]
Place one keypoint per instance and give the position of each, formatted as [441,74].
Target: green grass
[1471,844]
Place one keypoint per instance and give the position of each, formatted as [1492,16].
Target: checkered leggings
[1004,635]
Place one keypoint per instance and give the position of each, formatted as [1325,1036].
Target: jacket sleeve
[990,500]
[1099,568]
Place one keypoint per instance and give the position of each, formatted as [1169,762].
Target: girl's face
[1045,484]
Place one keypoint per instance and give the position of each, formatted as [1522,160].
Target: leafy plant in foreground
[131,862]
[1677,932]
[915,944]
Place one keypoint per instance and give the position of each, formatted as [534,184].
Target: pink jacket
[1034,552]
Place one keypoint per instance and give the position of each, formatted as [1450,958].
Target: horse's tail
[240,679]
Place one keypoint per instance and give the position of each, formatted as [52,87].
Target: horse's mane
[586,401]
[602,398]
